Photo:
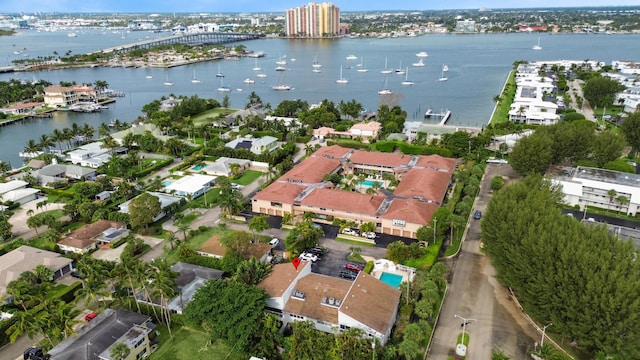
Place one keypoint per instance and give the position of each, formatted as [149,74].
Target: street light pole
[435,226]
[464,324]
[544,329]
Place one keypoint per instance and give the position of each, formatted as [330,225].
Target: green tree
[631,130]
[119,351]
[258,224]
[252,271]
[143,209]
[607,146]
[601,91]
[532,154]
[227,310]
[409,349]
[304,235]
[267,338]
[307,343]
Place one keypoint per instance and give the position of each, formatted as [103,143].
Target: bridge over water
[208,38]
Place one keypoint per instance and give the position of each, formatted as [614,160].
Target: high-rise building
[313,20]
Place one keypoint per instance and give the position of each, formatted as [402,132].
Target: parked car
[477,215]
[353,267]
[349,231]
[90,316]
[308,257]
[76,275]
[274,242]
[236,186]
[348,274]
[315,251]
[368,234]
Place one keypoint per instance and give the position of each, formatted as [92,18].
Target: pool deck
[384,265]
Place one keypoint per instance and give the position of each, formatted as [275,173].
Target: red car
[90,316]
[353,267]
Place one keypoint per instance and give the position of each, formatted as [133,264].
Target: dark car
[353,267]
[348,274]
[477,215]
[76,275]
[90,316]
[315,251]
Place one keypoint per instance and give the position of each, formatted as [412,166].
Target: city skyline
[217,6]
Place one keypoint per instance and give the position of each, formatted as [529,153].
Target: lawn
[197,241]
[247,177]
[189,344]
[208,117]
[501,113]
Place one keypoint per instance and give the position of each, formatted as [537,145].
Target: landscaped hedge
[56,192]
[368,267]
[68,294]
[160,164]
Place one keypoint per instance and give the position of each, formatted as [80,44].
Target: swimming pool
[390,279]
[166,183]
[197,167]
[370,183]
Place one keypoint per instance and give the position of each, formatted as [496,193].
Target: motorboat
[281,68]
[352,57]
[281,87]
[248,81]
[422,54]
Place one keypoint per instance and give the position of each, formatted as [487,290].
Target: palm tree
[622,200]
[88,131]
[252,271]
[58,136]
[67,136]
[4,167]
[45,142]
[103,130]
[612,195]
[119,351]
[32,147]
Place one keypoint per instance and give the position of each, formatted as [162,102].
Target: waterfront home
[53,173]
[140,129]
[17,191]
[193,185]
[110,327]
[332,304]
[28,108]
[256,146]
[88,237]
[365,131]
[26,258]
[64,96]
[92,155]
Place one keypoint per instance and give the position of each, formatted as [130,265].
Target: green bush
[620,165]
[571,116]
[497,182]
[206,261]
[368,267]
[150,169]
[68,294]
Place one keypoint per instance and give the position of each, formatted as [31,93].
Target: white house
[191,185]
[332,304]
[585,186]
[256,146]
[165,201]
[91,155]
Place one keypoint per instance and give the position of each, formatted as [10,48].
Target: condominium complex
[313,20]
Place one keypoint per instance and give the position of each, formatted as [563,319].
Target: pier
[443,115]
[209,38]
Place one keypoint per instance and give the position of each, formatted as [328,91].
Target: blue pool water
[197,167]
[391,279]
[370,183]
[166,183]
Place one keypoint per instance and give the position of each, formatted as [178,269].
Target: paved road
[586,110]
[475,293]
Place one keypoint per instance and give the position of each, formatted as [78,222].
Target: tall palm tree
[58,136]
[45,142]
[88,131]
[32,147]
[4,167]
[68,136]
[103,130]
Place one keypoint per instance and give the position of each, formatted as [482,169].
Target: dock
[443,115]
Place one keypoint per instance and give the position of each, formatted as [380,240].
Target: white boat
[400,70]
[342,80]
[194,80]
[385,90]
[72,34]
[282,61]
[281,68]
[256,67]
[167,82]
[537,46]
[386,70]
[420,63]
[445,68]
[219,73]
[361,67]
[282,87]
[223,87]
[406,79]
[149,77]
[262,75]
[239,90]
[422,54]
[248,81]
[316,64]
[442,77]
[316,70]
[352,57]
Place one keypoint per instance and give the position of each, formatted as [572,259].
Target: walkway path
[575,88]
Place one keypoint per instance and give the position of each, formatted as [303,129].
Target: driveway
[19,218]
[475,293]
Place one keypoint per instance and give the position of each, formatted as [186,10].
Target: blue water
[166,183]
[370,183]
[197,168]
[478,66]
[391,279]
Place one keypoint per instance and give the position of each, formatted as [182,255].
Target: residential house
[223,166]
[60,96]
[91,155]
[26,258]
[585,186]
[28,108]
[365,131]
[112,326]
[332,304]
[423,184]
[88,237]
[53,173]
[169,104]
[256,146]
[165,202]
[35,164]
[140,129]
[193,185]
[213,248]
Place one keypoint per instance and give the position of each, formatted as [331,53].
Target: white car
[349,231]
[274,241]
[308,257]
[368,235]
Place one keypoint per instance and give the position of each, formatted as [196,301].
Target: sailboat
[219,73]
[445,68]
[442,77]
[281,86]
[167,82]
[385,90]
[256,67]
[316,65]
[282,61]
[342,80]
[537,46]
[222,87]
[361,67]
[400,70]
[194,80]
[420,63]
[406,79]
[386,70]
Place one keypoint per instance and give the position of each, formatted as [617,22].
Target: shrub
[571,116]
[497,182]
[368,267]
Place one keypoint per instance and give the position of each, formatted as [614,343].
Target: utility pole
[544,329]
[435,226]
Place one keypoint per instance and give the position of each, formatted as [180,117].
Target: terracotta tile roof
[343,200]
[311,170]
[281,278]
[410,210]
[427,183]
[333,151]
[213,246]
[380,159]
[27,105]
[370,126]
[371,302]
[437,161]
[280,191]
[317,288]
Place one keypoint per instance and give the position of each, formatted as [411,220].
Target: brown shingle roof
[281,278]
[280,191]
[213,246]
[343,200]
[256,250]
[85,235]
[371,302]
[426,183]
[316,287]
[437,161]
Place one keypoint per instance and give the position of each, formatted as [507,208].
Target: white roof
[191,183]
[15,195]
[12,185]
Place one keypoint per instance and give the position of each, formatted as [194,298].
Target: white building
[91,155]
[191,185]
[585,186]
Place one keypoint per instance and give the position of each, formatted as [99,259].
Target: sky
[215,6]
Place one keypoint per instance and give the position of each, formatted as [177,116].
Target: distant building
[63,96]
[313,20]
[466,26]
